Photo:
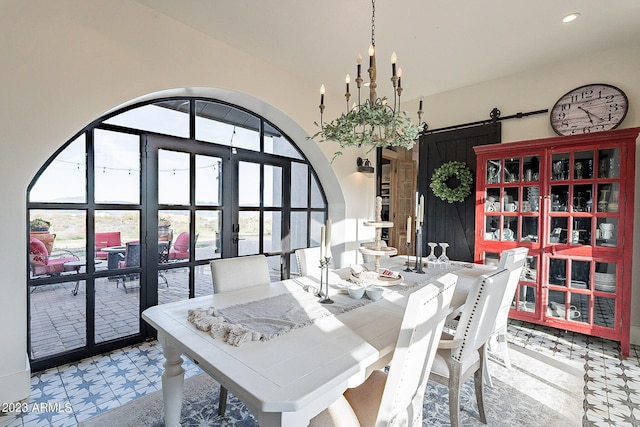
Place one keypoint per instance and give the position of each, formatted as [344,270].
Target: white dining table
[289,379]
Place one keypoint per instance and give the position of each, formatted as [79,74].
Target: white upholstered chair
[512,260]
[236,273]
[462,354]
[396,398]
[309,261]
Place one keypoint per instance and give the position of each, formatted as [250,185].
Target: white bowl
[374,292]
[606,226]
[356,291]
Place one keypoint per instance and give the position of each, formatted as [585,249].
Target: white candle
[409,230]
[327,239]
[420,219]
[322,237]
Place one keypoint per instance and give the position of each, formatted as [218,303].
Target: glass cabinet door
[582,291]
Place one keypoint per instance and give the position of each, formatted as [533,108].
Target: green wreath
[443,173]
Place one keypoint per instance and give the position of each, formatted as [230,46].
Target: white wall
[539,89]
[65,63]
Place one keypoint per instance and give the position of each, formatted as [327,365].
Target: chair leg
[502,339]
[478,377]
[487,374]
[222,403]
[455,371]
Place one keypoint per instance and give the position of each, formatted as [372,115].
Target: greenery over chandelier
[373,123]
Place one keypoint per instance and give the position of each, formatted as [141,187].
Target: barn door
[453,223]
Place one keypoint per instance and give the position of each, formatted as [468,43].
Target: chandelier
[374,122]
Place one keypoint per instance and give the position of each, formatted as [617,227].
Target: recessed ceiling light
[570,17]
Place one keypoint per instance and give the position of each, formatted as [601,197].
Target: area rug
[536,391]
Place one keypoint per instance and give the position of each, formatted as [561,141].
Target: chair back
[512,260]
[309,261]
[241,272]
[422,323]
[132,254]
[479,314]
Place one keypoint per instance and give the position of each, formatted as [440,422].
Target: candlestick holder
[324,281]
[419,269]
[408,260]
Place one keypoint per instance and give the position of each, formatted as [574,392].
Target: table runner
[263,320]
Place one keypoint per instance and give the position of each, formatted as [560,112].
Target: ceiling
[441,44]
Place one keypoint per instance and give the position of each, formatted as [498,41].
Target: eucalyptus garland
[374,125]
[439,182]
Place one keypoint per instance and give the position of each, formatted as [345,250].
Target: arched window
[139,203]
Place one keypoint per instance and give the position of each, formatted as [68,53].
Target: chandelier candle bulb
[394,59]
[372,52]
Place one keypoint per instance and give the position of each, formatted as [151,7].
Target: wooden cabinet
[398,192]
[569,200]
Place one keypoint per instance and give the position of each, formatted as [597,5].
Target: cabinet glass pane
[492,203]
[580,274]
[531,167]
[608,197]
[558,230]
[556,304]
[512,170]
[491,258]
[607,232]
[579,309]
[529,229]
[560,167]
[582,198]
[511,201]
[604,278]
[530,269]
[527,299]
[531,202]
[494,171]
[583,165]
[581,231]
[557,272]
[559,198]
[604,311]
[492,228]
[609,163]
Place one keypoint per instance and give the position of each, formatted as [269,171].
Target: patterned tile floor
[68,394]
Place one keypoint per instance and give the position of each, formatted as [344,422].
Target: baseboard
[17,385]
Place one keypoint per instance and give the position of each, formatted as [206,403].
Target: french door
[219,202]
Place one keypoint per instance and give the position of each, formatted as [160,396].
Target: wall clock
[589,108]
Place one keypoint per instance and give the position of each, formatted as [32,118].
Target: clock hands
[589,114]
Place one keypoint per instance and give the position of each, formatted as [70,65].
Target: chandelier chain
[373,22]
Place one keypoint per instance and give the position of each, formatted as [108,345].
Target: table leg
[172,385]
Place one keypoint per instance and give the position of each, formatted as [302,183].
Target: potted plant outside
[39,225]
